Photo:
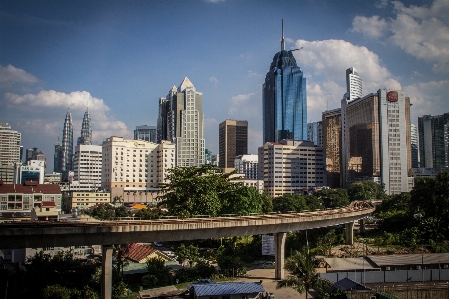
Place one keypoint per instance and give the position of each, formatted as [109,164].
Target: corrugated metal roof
[347,264]
[409,259]
[229,288]
[347,284]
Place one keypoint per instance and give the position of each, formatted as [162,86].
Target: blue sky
[119,57]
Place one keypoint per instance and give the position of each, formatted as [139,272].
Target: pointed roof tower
[86,130]
[185,84]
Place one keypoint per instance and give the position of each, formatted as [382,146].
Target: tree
[289,202]
[366,190]
[151,213]
[333,198]
[241,200]
[190,253]
[430,205]
[117,199]
[120,252]
[156,266]
[303,276]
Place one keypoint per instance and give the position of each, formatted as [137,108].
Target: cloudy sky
[119,57]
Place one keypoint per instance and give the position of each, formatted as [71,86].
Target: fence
[408,291]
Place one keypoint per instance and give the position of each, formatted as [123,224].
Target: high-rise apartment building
[315,133]
[284,99]
[9,152]
[87,164]
[331,123]
[147,133]
[66,162]
[30,154]
[414,146]
[181,121]
[232,142]
[86,130]
[376,142]
[290,166]
[247,165]
[434,141]
[353,85]
[57,158]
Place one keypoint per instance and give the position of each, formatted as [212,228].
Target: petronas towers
[64,154]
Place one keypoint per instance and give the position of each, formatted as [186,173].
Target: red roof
[138,252]
[39,188]
[48,204]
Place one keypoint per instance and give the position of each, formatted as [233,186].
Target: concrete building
[181,121]
[9,152]
[147,133]
[87,165]
[83,199]
[34,170]
[232,142]
[424,173]
[57,158]
[414,146]
[17,200]
[434,141]
[353,85]
[53,178]
[315,133]
[247,165]
[284,99]
[331,122]
[376,140]
[256,184]
[86,130]
[290,166]
[134,169]
[66,158]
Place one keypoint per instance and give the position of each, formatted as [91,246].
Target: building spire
[283,41]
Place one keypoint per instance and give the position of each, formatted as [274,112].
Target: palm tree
[303,276]
[117,198]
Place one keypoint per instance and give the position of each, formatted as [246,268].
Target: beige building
[84,199]
[87,165]
[331,122]
[290,166]
[233,141]
[9,152]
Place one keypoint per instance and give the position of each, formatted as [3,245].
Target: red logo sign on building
[392,96]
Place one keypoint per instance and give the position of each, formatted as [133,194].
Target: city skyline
[118,60]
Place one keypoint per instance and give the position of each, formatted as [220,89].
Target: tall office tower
[9,152]
[135,163]
[86,130]
[147,133]
[290,166]
[353,85]
[207,156]
[315,133]
[414,145]
[284,99]
[232,142]
[377,141]
[87,164]
[66,161]
[31,154]
[181,121]
[57,158]
[434,141]
[248,165]
[331,121]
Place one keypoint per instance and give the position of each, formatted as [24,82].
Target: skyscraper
[181,121]
[9,152]
[434,141]
[353,85]
[66,163]
[57,159]
[414,146]
[86,130]
[331,122]
[147,133]
[315,133]
[232,142]
[284,99]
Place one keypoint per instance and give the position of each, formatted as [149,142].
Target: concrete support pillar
[362,225]
[106,273]
[349,233]
[279,241]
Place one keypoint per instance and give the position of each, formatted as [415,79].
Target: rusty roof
[39,188]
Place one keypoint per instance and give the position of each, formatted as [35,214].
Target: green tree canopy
[333,198]
[189,253]
[296,203]
[366,190]
[156,266]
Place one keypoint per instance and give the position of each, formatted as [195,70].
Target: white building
[290,166]
[9,152]
[247,165]
[33,171]
[353,85]
[87,165]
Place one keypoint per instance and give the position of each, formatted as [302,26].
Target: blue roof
[227,288]
[347,284]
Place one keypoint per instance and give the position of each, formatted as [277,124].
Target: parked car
[157,244]
[268,265]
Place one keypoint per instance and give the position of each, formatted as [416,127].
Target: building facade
[284,99]
[86,130]
[84,199]
[247,165]
[291,166]
[232,142]
[147,133]
[181,121]
[434,141]
[353,85]
[34,170]
[87,165]
[315,133]
[57,158]
[66,162]
[331,122]
[9,152]
[414,146]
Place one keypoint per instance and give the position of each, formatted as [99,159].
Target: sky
[119,57]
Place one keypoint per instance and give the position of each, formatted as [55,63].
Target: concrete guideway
[50,234]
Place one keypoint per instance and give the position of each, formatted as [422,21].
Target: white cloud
[10,75]
[372,27]
[214,80]
[215,1]
[419,30]
[254,74]
[381,4]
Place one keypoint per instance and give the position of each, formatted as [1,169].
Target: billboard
[392,96]
[267,245]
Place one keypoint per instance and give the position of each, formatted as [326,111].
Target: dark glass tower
[86,130]
[284,99]
[67,146]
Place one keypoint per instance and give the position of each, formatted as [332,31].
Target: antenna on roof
[283,41]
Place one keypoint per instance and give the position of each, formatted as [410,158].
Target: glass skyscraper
[284,99]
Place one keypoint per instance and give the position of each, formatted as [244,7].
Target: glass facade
[284,100]
[433,141]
